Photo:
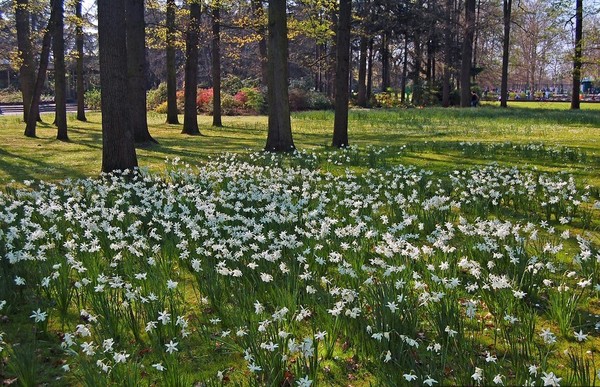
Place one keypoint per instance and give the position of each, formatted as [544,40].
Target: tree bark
[362,72]
[34,105]
[467,54]
[577,58]
[279,137]
[136,70]
[507,10]
[447,54]
[216,63]
[27,67]
[60,82]
[404,71]
[190,118]
[385,62]
[172,117]
[342,72]
[79,45]
[370,70]
[118,149]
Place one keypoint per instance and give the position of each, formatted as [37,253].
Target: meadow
[445,247]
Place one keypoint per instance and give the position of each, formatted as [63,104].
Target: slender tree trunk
[370,70]
[362,72]
[27,68]
[404,71]
[34,105]
[385,62]
[60,82]
[259,14]
[118,149]
[577,59]
[216,64]
[342,72]
[79,45]
[447,54]
[136,70]
[467,54]
[172,117]
[279,138]
[417,94]
[507,10]
[190,118]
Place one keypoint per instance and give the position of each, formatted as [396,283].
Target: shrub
[92,99]
[156,97]
[162,108]
[319,101]
[204,99]
[180,100]
[298,99]
[253,100]
[230,84]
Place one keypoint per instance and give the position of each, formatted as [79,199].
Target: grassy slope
[45,158]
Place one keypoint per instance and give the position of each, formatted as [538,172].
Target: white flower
[409,377]
[19,281]
[38,316]
[320,335]
[550,379]
[580,336]
[498,379]
[171,347]
[304,382]
[171,284]
[159,367]
[164,317]
[548,336]
[430,381]
[120,357]
[477,375]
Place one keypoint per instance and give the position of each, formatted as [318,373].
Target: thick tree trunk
[136,70]
[259,14]
[60,82]
[279,137]
[118,149]
[507,9]
[577,58]
[216,64]
[34,105]
[342,71]
[467,54]
[171,69]
[362,72]
[190,117]
[27,68]
[79,45]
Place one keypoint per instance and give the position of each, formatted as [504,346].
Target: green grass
[23,158]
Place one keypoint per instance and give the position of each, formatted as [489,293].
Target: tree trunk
[172,117]
[34,105]
[136,70]
[467,54]
[404,71]
[79,45]
[370,70]
[27,68]
[577,59]
[342,72]
[507,10]
[216,64]
[417,93]
[362,72]
[385,62]
[279,138]
[118,149]
[259,13]
[60,82]
[447,54]
[190,118]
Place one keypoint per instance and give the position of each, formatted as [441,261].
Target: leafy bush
[162,108]
[230,84]
[92,99]
[301,99]
[319,101]
[204,100]
[252,100]
[156,97]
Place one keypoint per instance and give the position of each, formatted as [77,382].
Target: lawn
[445,247]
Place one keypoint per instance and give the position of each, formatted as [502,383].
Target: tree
[216,62]
[190,118]
[34,103]
[136,70]
[258,11]
[79,70]
[577,58]
[60,83]
[342,71]
[507,9]
[279,137]
[467,54]
[118,149]
[172,117]
[448,51]
[27,66]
